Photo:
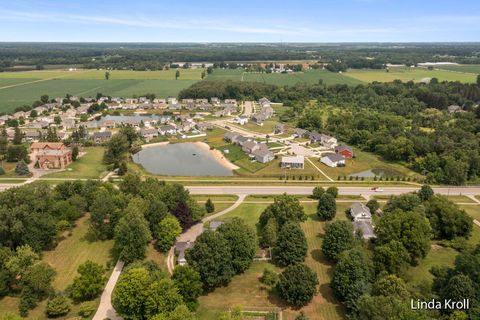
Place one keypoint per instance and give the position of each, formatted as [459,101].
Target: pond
[377,172]
[181,159]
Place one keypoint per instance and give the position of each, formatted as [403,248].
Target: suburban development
[238,179]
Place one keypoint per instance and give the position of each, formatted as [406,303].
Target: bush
[269,277]
[58,306]
[87,309]
[209,206]
[22,168]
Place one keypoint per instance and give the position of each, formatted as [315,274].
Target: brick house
[51,155]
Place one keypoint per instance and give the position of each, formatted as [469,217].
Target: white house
[293,162]
[333,160]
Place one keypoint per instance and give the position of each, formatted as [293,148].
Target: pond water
[181,159]
[372,173]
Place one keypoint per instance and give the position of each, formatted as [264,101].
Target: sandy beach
[218,155]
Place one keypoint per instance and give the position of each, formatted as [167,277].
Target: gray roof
[366,227]
[102,134]
[334,157]
[360,211]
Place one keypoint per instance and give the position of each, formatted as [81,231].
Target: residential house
[32,136]
[204,126]
[230,136]
[362,220]
[301,133]
[455,109]
[167,129]
[324,139]
[242,120]
[51,155]
[231,101]
[262,154]
[333,160]
[102,136]
[180,248]
[345,151]
[148,133]
[293,162]
[249,146]
[280,128]
[259,118]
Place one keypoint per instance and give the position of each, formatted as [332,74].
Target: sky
[240,21]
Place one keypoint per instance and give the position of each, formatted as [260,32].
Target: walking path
[313,164]
[105,309]
[192,233]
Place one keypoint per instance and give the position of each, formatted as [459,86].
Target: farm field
[281,79]
[407,74]
[19,88]
[467,68]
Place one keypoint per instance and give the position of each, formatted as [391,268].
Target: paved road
[105,309]
[302,190]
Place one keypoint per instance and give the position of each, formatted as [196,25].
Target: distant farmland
[467,68]
[407,74]
[282,79]
[19,88]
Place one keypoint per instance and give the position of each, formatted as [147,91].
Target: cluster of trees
[139,212]
[280,228]
[118,148]
[144,291]
[372,284]
[218,255]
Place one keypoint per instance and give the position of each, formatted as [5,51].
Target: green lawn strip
[407,74]
[473,211]
[204,197]
[460,199]
[89,166]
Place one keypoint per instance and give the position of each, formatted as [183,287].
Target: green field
[19,88]
[467,68]
[282,79]
[407,74]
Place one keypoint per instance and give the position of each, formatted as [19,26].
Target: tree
[107,75]
[405,202]
[16,153]
[204,74]
[57,306]
[458,288]
[391,286]
[339,237]
[478,80]
[301,316]
[105,209]
[327,207]
[285,208]
[425,192]
[209,206]
[391,257]
[131,236]
[17,136]
[44,98]
[270,233]
[177,74]
[447,219]
[242,242]
[412,229]
[373,205]
[89,283]
[212,259]
[189,284]
[116,147]
[74,153]
[21,168]
[291,245]
[317,192]
[353,268]
[297,285]
[3,141]
[181,312]
[333,191]
[162,297]
[39,277]
[130,183]
[169,229]
[269,277]
[130,293]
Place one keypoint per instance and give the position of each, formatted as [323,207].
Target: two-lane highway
[304,190]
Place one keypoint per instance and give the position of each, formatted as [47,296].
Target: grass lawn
[9,168]
[89,166]
[267,127]
[65,259]
[157,256]
[365,161]
[473,211]
[309,77]
[75,250]
[407,74]
[467,68]
[461,199]
[215,197]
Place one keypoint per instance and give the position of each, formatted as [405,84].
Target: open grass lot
[473,211]
[467,68]
[460,199]
[65,259]
[365,161]
[407,74]
[156,256]
[89,166]
[225,74]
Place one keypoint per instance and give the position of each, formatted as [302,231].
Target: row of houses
[257,150]
[266,111]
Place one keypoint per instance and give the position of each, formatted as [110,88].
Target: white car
[377,189]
